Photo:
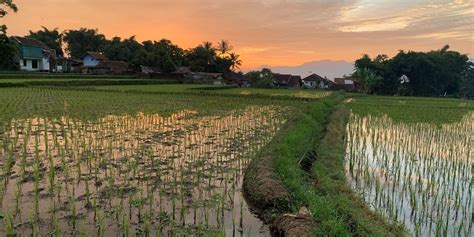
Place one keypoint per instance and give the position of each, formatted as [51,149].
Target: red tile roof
[30,42]
[281,78]
[287,79]
[314,77]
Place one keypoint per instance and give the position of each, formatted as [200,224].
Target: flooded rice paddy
[418,174]
[132,175]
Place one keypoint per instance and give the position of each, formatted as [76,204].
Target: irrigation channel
[420,175]
[130,175]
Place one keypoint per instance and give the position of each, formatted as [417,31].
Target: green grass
[41,75]
[198,88]
[88,104]
[78,82]
[323,189]
[158,88]
[413,109]
[22,80]
[317,138]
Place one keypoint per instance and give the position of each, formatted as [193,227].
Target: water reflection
[132,175]
[420,175]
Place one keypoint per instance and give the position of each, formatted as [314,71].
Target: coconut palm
[210,51]
[224,47]
[235,60]
[208,45]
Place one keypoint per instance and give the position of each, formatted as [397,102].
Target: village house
[314,81]
[97,63]
[68,65]
[286,80]
[233,78]
[92,59]
[346,83]
[34,55]
[205,78]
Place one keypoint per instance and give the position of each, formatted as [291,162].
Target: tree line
[7,48]
[435,73]
[162,54]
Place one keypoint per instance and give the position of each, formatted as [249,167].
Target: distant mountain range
[328,68]
[325,68]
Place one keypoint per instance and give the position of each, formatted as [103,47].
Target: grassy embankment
[70,80]
[307,159]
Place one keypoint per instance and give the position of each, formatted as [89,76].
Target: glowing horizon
[264,32]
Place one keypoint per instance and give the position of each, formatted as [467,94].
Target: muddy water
[132,175]
[420,175]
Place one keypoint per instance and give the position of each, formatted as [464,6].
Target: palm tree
[208,45]
[224,47]
[235,61]
[211,51]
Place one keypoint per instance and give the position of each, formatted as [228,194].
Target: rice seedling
[418,174]
[134,174]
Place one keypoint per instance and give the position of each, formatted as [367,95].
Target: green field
[194,88]
[159,88]
[22,80]
[171,159]
[412,109]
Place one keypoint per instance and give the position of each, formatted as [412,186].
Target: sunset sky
[267,32]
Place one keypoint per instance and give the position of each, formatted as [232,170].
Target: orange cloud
[276,32]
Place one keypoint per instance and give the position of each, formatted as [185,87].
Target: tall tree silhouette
[8,49]
[235,61]
[224,47]
[83,40]
[52,38]
[4,6]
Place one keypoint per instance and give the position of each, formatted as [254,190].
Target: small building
[295,82]
[92,59]
[97,63]
[286,80]
[205,78]
[149,70]
[233,78]
[107,67]
[34,55]
[68,65]
[346,83]
[314,81]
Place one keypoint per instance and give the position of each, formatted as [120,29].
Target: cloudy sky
[267,32]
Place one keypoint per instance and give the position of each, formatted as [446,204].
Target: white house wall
[44,66]
[89,61]
[309,84]
[29,65]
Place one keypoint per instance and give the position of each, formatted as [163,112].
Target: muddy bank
[264,192]
[268,197]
